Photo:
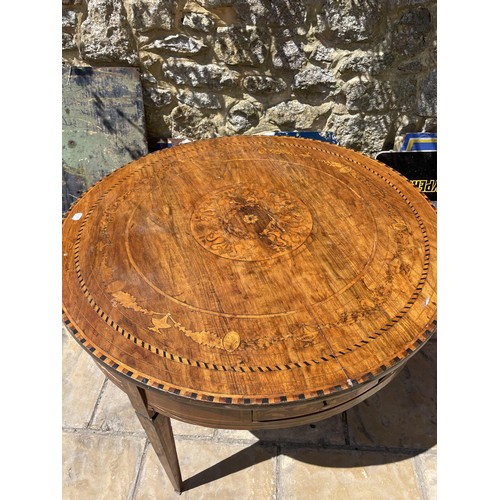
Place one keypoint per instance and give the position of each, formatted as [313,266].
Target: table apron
[262,417]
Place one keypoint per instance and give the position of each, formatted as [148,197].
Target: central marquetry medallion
[250,223]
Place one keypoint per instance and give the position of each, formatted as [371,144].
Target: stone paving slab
[347,475]
[115,413]
[212,470]
[426,468]
[328,431]
[99,467]
[81,384]
[182,429]
[384,448]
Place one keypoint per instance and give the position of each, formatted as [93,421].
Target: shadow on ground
[395,424]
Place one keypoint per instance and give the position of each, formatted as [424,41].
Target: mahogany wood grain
[251,282]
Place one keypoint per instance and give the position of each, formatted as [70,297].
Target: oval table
[249,282]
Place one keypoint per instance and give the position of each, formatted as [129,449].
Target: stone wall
[365,70]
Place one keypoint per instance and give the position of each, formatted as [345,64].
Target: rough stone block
[285,113]
[324,54]
[366,62]
[288,54]
[68,19]
[156,97]
[411,67]
[301,50]
[367,133]
[430,125]
[314,80]
[351,21]
[106,36]
[405,3]
[152,15]
[256,84]
[235,45]
[296,115]
[405,94]
[216,3]
[177,44]
[427,100]
[199,75]
[201,100]
[198,22]
[283,17]
[408,35]
[191,123]
[368,95]
[243,115]
[68,41]
[404,124]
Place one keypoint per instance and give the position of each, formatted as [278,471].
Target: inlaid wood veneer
[250,282]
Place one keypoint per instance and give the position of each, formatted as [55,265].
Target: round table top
[251,269]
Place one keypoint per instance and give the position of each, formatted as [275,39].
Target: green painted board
[103,125]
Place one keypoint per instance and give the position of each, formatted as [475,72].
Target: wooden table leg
[159,432]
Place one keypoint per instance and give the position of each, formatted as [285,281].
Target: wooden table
[249,282]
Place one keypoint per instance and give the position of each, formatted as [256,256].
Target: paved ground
[384,448]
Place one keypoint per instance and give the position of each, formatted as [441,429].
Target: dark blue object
[419,141]
[307,134]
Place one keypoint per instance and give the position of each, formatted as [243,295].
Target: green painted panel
[103,125]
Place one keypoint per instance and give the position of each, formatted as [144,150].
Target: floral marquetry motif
[250,223]
[251,270]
